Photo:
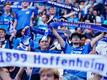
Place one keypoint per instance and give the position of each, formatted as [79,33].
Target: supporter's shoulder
[37,49]
[17,39]
[55,51]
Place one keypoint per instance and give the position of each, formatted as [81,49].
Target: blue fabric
[23,18]
[104,39]
[17,41]
[5,18]
[81,25]
[6,44]
[85,49]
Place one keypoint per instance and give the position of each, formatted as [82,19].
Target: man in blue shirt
[24,17]
[76,48]
[7,16]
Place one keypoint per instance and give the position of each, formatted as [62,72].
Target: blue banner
[25,0]
[56,4]
[59,5]
[80,24]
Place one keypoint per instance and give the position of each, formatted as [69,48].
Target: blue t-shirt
[23,18]
[6,18]
[6,44]
[85,49]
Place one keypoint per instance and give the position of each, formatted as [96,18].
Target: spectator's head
[2,33]
[78,30]
[90,10]
[44,43]
[49,74]
[83,39]
[95,12]
[45,18]
[7,7]
[82,2]
[75,39]
[25,4]
[68,2]
[62,19]
[105,7]
[52,10]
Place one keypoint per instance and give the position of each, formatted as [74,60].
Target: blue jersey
[85,49]
[6,18]
[23,18]
[6,44]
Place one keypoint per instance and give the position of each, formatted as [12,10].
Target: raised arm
[20,73]
[94,40]
[69,14]
[31,19]
[4,74]
[59,38]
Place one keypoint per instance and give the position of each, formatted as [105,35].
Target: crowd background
[29,30]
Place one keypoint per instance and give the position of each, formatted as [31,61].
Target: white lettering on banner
[94,63]
[59,4]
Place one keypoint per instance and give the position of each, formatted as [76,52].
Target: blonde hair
[54,71]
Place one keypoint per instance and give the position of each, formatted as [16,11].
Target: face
[75,39]
[83,40]
[47,75]
[44,18]
[52,10]
[44,44]
[7,8]
[2,34]
[82,3]
[67,1]
[95,12]
[25,4]
[79,30]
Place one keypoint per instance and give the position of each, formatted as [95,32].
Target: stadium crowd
[29,30]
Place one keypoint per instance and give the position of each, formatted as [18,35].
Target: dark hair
[7,3]
[3,30]
[47,16]
[83,36]
[75,34]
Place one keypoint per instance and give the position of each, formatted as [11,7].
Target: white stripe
[93,63]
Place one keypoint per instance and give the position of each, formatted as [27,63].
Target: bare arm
[4,75]
[15,23]
[68,15]
[31,19]
[20,73]
[59,38]
[93,42]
